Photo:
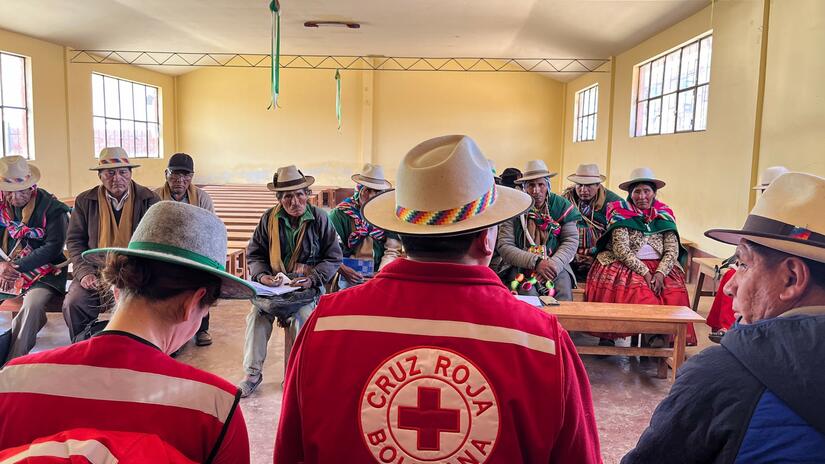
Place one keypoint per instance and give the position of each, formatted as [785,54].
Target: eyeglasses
[179,175]
[110,173]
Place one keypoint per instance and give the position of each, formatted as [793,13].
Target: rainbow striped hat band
[447,216]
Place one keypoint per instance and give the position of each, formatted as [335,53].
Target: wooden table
[577,316]
[690,246]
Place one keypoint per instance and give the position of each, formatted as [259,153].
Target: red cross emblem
[428,419]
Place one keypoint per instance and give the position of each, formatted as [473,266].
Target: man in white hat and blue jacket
[758,397]
[434,360]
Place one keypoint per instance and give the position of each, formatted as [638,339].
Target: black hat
[181,162]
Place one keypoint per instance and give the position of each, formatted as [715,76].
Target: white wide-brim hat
[372,176]
[179,233]
[445,187]
[17,174]
[113,158]
[289,178]
[787,218]
[536,169]
[587,174]
[769,175]
[642,175]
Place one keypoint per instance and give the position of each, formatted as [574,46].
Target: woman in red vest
[122,379]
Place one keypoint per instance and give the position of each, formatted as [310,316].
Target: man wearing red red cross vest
[434,360]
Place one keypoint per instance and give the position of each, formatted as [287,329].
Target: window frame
[27,89]
[676,92]
[133,119]
[579,118]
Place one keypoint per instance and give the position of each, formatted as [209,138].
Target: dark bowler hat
[181,162]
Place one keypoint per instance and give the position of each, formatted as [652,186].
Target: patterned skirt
[721,314]
[616,283]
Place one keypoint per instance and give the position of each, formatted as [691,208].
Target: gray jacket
[514,256]
[204,200]
[319,249]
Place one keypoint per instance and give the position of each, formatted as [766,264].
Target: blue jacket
[758,398]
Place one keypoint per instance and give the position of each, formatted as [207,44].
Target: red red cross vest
[433,362]
[118,382]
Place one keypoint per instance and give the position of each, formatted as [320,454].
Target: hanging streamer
[275,53]
[338,97]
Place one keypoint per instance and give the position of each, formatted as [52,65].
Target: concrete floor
[625,390]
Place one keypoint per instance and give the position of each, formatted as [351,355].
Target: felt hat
[179,233]
[289,178]
[372,176]
[642,175]
[769,175]
[493,170]
[181,162]
[445,187]
[113,158]
[587,174]
[786,218]
[536,169]
[17,174]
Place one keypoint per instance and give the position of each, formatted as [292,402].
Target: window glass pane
[126,100]
[654,114]
[672,71]
[595,100]
[690,57]
[110,89]
[140,102]
[97,95]
[684,112]
[99,133]
[140,139]
[152,104]
[14,80]
[644,81]
[154,141]
[112,133]
[701,108]
[15,130]
[668,114]
[656,75]
[585,128]
[704,60]
[127,136]
[577,130]
[592,127]
[641,118]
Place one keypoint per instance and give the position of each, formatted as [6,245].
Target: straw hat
[642,175]
[445,187]
[16,174]
[536,169]
[769,175]
[186,235]
[289,178]
[587,174]
[786,218]
[372,176]
[113,158]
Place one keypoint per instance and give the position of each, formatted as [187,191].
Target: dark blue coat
[758,398]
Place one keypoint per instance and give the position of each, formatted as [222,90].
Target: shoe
[203,338]
[716,335]
[656,341]
[250,384]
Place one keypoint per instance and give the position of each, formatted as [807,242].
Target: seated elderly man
[297,240]
[179,187]
[758,397]
[538,246]
[358,238]
[103,216]
[591,197]
[33,228]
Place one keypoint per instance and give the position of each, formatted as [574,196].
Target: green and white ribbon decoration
[338,97]
[275,53]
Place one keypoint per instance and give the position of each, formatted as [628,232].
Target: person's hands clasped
[658,283]
[9,271]
[649,280]
[546,269]
[351,275]
[89,282]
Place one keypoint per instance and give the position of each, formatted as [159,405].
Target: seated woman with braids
[639,254]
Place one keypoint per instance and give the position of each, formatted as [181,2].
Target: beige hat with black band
[536,169]
[445,187]
[289,178]
[786,218]
[372,176]
[769,175]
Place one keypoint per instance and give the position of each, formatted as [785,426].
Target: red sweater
[117,381]
[433,362]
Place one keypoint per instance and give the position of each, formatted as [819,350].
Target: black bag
[283,307]
[5,346]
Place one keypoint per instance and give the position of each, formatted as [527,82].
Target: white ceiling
[428,28]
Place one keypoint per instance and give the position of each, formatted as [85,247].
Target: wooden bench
[707,268]
[626,318]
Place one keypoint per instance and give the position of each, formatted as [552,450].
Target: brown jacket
[83,225]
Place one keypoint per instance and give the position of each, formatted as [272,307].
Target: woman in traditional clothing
[639,254]
[358,238]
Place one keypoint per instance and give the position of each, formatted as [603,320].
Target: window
[125,114]
[587,106]
[671,92]
[15,115]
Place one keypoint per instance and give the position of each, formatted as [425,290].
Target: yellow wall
[793,125]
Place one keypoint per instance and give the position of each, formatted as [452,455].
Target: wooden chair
[707,267]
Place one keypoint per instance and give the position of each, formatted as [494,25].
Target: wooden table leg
[679,348]
[698,293]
